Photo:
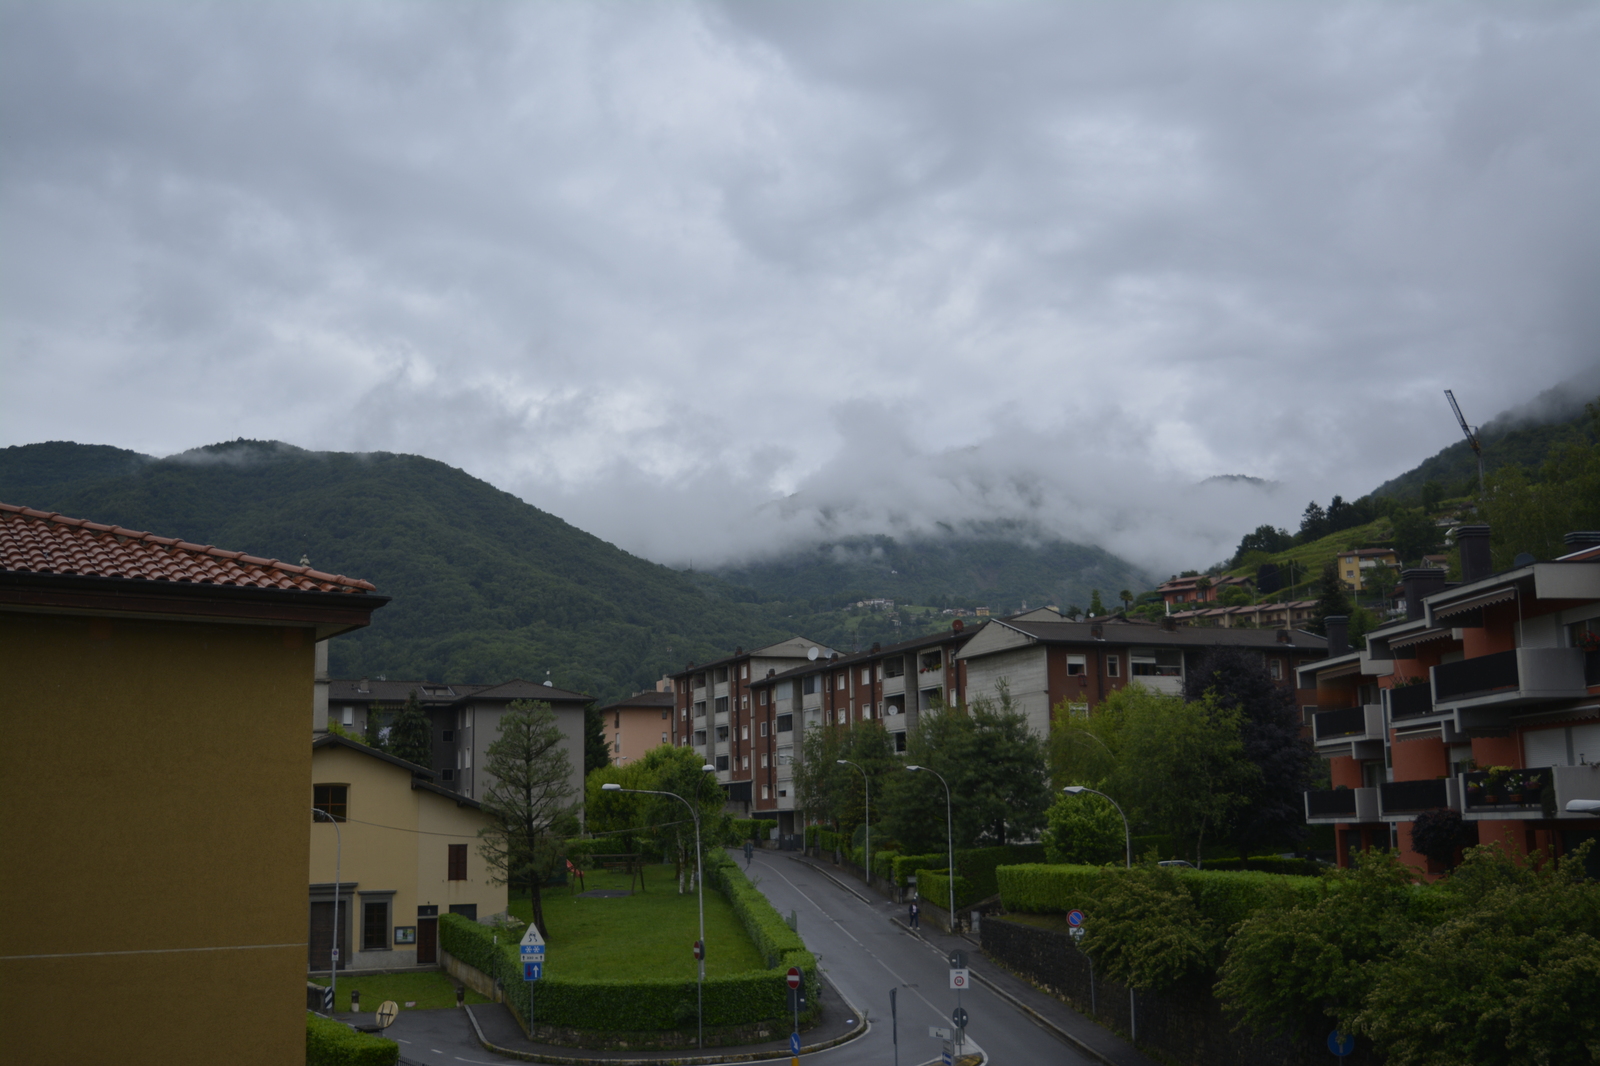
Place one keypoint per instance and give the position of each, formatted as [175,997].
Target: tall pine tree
[411,735]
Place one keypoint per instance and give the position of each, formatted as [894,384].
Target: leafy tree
[528,801]
[1147,932]
[376,728]
[596,752]
[1533,513]
[1432,495]
[1096,607]
[411,735]
[1362,622]
[1268,580]
[1084,829]
[1414,534]
[1313,523]
[1266,539]
[658,824]
[1332,599]
[1437,834]
[1180,766]
[995,766]
[1073,611]
[1269,729]
[1233,596]
[1126,597]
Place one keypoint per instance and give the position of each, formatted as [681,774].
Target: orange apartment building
[1484,700]
[638,723]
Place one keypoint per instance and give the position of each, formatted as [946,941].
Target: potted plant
[1494,784]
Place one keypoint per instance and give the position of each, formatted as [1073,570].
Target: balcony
[1510,679]
[1412,712]
[1356,732]
[1401,801]
[894,684]
[1536,792]
[1342,805]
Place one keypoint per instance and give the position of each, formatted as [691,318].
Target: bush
[934,887]
[331,1043]
[1222,897]
[742,829]
[1271,864]
[641,1006]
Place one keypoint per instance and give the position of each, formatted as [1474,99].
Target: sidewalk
[1088,1037]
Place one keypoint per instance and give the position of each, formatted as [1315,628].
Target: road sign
[948,1054]
[958,960]
[959,979]
[793,977]
[532,967]
[532,950]
[699,949]
[1074,918]
[387,1012]
[938,1033]
[794,1043]
[959,1016]
[1076,932]
[1341,1044]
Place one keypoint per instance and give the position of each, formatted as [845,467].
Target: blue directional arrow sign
[794,1043]
[1341,1044]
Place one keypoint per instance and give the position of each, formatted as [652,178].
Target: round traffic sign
[1074,917]
[1341,1044]
[958,960]
[699,949]
[387,1012]
[793,977]
[959,1016]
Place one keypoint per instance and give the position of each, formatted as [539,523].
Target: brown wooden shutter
[458,862]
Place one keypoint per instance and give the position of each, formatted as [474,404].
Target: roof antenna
[547,682]
[1471,435]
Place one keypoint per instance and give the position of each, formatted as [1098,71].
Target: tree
[1073,612]
[1432,495]
[377,728]
[1268,580]
[528,801]
[995,766]
[1084,829]
[1269,730]
[411,735]
[1126,597]
[596,752]
[1096,608]
[1414,534]
[1332,600]
[1313,523]
[1233,596]
[657,824]
[1180,765]
[1267,539]
[1437,834]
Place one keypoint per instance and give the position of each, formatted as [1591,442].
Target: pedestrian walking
[914,912]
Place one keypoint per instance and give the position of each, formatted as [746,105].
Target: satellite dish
[1523,559]
[813,653]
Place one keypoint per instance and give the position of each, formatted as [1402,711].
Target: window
[722,734]
[663,712]
[722,762]
[699,738]
[458,863]
[1156,662]
[1277,669]
[899,742]
[782,792]
[766,793]
[466,910]
[744,732]
[700,709]
[744,671]
[722,705]
[764,763]
[448,736]
[617,747]
[744,701]
[930,660]
[722,674]
[349,715]
[786,723]
[1113,666]
[618,723]
[663,738]
[841,716]
[333,799]
[375,925]
[808,685]
[699,680]
[763,697]
[895,667]
[763,729]
[866,675]
[447,774]
[1077,665]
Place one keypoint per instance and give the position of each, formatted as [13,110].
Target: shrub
[331,1043]
[934,887]
[1221,897]
[742,829]
[1271,864]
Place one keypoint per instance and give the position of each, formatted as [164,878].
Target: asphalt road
[865,955]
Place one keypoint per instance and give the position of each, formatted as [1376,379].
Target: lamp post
[338,858]
[1127,836]
[949,836]
[700,889]
[868,808]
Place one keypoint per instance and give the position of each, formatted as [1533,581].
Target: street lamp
[699,882]
[1073,790]
[868,808]
[949,836]
[333,955]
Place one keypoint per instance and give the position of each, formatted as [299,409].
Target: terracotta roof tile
[43,542]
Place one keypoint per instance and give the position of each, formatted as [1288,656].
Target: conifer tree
[411,735]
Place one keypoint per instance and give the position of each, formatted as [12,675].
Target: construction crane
[1471,435]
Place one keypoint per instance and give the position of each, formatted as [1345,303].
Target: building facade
[638,723]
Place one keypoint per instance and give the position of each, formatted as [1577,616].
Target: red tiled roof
[42,542]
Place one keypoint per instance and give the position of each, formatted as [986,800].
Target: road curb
[666,1059]
[1046,1023]
[825,873]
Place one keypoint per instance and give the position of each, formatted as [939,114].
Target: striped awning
[1498,596]
[1423,636]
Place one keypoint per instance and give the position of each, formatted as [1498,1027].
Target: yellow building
[404,851]
[1355,566]
[155,810]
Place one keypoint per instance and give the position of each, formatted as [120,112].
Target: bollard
[327,1000]
[355,1001]
[461,995]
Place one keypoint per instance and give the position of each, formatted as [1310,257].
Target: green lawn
[649,934]
[427,990]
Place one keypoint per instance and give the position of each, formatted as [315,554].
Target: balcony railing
[1405,798]
[1591,668]
[1476,677]
[1410,701]
[1342,805]
[1344,722]
[1508,792]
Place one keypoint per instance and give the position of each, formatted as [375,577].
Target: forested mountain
[485,587]
[999,565]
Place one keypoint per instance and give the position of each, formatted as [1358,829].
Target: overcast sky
[706,279]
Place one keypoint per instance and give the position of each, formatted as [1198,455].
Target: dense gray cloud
[709,279]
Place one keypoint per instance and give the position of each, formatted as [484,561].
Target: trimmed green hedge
[742,829]
[933,886]
[905,867]
[1224,897]
[641,1006]
[1272,864]
[331,1043]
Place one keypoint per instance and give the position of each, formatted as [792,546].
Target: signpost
[1341,1044]
[1075,919]
[958,979]
[796,982]
[532,950]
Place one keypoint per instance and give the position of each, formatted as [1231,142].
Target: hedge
[1272,864]
[331,1043]
[1225,897]
[934,887]
[646,1005]
[742,829]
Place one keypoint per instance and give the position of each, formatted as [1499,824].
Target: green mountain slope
[1505,443]
[485,586]
[997,566]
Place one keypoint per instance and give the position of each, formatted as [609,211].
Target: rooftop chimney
[1097,631]
[876,647]
[1474,544]
[1169,623]
[1421,581]
[1338,629]
[1285,636]
[1579,541]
